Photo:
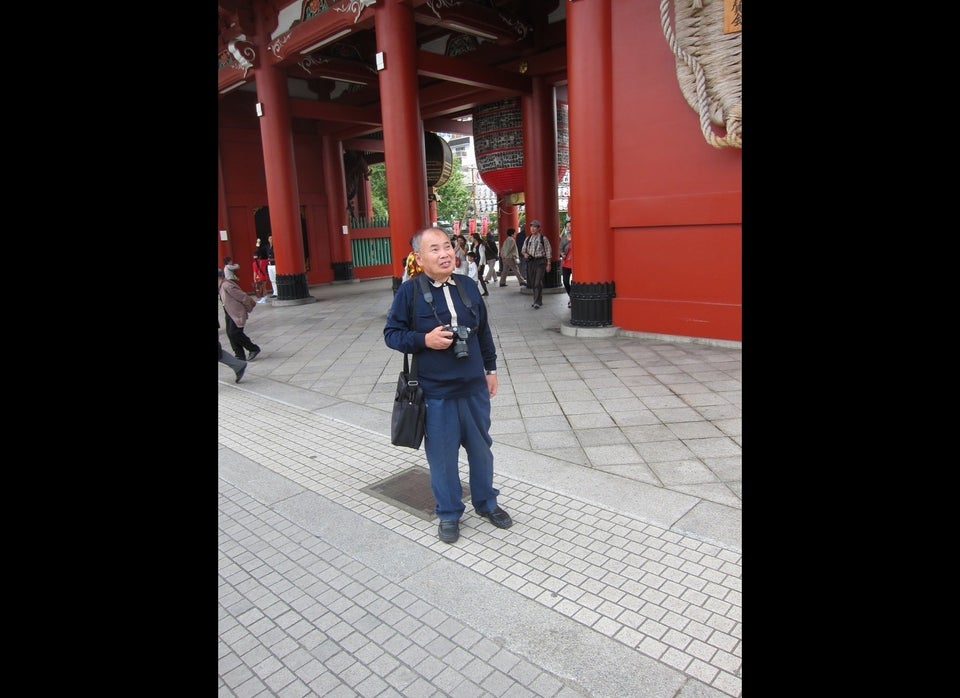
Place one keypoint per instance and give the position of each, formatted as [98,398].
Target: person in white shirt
[230,269]
[460,252]
[480,249]
[472,267]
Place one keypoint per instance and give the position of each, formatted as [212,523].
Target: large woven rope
[708,66]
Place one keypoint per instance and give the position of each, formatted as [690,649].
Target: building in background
[633,106]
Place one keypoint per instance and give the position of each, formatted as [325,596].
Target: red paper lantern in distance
[498,144]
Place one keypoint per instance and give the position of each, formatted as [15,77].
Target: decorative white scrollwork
[242,56]
[441,3]
[275,47]
[519,26]
[312,60]
[357,6]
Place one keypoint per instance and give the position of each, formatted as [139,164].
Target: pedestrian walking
[508,260]
[522,238]
[566,263]
[491,256]
[233,362]
[479,250]
[271,267]
[237,306]
[537,252]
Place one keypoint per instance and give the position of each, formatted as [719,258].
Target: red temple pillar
[509,217]
[224,247]
[341,252]
[433,207]
[540,168]
[589,70]
[403,139]
[280,170]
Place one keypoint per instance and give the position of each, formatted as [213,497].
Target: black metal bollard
[342,271]
[292,287]
[592,304]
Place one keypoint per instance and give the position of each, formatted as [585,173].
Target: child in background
[472,268]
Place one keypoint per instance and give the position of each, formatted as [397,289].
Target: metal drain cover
[410,490]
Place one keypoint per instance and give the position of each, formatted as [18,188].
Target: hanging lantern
[439,159]
[563,140]
[498,144]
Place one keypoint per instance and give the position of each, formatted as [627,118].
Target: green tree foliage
[378,190]
[453,195]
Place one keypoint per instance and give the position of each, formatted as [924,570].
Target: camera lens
[460,336]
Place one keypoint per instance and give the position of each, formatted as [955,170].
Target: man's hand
[439,338]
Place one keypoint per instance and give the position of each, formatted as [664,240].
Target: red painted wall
[241,154]
[313,201]
[675,206]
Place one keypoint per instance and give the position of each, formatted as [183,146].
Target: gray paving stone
[605,583]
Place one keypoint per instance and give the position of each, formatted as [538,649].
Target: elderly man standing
[537,252]
[458,378]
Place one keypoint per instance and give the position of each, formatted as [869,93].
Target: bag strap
[410,367]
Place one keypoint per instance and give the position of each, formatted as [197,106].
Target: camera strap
[461,289]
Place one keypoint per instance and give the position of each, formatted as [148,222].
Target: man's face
[436,255]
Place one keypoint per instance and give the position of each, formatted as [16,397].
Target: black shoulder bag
[409,409]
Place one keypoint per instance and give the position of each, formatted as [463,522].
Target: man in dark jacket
[457,370]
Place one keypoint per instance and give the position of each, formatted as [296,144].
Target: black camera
[460,336]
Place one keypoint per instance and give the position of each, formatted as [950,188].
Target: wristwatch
[491,373]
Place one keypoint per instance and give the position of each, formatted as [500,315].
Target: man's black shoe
[498,517]
[449,531]
[240,371]
[253,355]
